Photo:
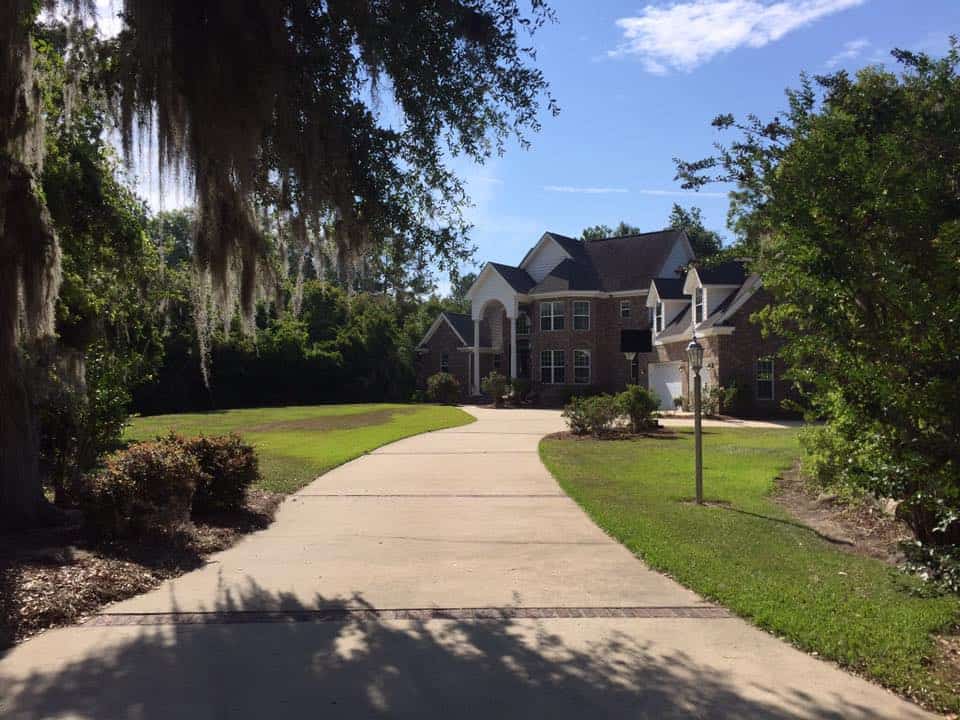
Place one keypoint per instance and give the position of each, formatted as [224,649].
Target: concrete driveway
[442,576]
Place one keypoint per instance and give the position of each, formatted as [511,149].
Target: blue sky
[638,84]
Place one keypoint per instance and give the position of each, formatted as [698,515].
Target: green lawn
[751,556]
[296,444]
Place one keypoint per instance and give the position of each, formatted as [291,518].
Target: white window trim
[628,306]
[574,315]
[697,319]
[773,375]
[553,367]
[589,366]
[659,313]
[553,315]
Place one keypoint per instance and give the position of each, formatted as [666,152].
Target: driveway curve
[443,576]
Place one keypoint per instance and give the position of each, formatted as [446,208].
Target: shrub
[495,385]
[678,403]
[521,389]
[142,492]
[719,398]
[640,405]
[228,467]
[443,388]
[594,415]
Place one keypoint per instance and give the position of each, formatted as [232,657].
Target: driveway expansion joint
[338,614]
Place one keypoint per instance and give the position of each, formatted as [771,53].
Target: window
[581,367]
[635,367]
[624,309]
[523,325]
[658,323]
[497,360]
[698,310]
[551,315]
[765,379]
[445,362]
[551,367]
[581,315]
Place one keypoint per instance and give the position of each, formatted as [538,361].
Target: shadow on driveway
[360,667]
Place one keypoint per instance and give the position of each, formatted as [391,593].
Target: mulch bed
[657,433]
[860,527]
[54,577]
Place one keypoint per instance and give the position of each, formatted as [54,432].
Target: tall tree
[705,242]
[851,203]
[268,101]
[599,232]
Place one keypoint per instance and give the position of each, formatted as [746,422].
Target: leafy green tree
[598,232]
[264,104]
[705,242]
[459,287]
[849,201]
[108,310]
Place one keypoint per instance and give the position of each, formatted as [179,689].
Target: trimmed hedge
[145,491]
[228,467]
[443,388]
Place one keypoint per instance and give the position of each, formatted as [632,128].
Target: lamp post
[695,357]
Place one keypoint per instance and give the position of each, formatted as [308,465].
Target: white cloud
[851,50]
[686,34]
[584,190]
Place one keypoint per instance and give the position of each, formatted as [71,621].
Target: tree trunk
[21,492]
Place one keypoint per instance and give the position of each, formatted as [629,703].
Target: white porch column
[513,347]
[476,357]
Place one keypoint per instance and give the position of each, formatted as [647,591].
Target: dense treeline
[317,342]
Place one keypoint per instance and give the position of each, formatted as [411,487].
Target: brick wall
[428,363]
[609,368]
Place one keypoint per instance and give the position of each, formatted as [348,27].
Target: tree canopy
[850,203]
[271,111]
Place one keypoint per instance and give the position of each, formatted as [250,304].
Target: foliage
[640,405]
[108,316]
[849,203]
[937,565]
[594,415]
[599,232]
[704,242]
[443,388]
[746,552]
[495,385]
[143,492]
[520,389]
[720,398]
[228,468]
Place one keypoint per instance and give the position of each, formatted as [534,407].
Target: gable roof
[462,326]
[569,275]
[517,278]
[669,288]
[731,272]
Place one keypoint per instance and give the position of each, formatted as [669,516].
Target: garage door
[665,382]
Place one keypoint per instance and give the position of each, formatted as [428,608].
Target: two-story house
[595,315]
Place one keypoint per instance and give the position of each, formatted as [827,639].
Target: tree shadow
[263,655]
[785,521]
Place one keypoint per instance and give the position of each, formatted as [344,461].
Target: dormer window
[658,320]
[699,306]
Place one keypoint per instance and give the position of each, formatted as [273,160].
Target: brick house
[592,316]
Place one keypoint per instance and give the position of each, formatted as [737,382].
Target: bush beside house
[443,387]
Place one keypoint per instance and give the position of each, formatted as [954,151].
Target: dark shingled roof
[463,324]
[670,288]
[569,275]
[627,262]
[732,272]
[516,277]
